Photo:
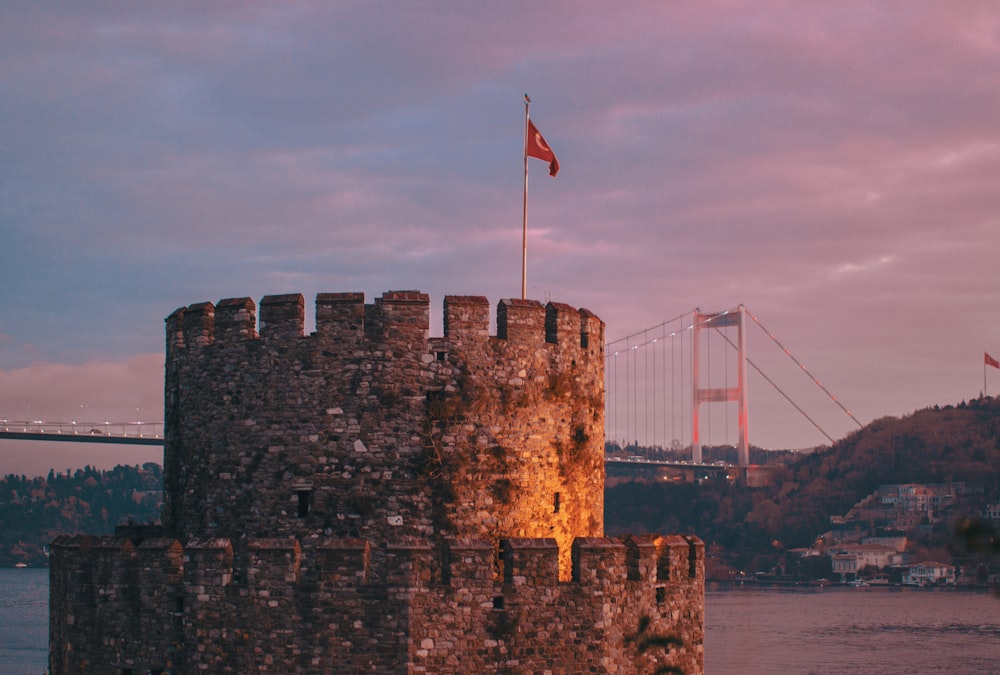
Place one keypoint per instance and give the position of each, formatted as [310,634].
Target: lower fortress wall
[125,604]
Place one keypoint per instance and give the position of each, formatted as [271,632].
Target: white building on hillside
[849,559]
[929,574]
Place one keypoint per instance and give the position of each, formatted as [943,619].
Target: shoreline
[819,585]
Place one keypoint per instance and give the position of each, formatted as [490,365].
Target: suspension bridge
[657,382]
[660,382]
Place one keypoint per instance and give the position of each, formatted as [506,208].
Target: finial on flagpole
[527,100]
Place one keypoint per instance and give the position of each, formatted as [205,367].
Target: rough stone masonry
[368,499]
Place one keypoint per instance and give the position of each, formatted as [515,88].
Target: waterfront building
[928,574]
[850,559]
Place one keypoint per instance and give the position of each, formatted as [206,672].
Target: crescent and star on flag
[535,145]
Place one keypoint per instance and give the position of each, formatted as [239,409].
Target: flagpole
[524,212]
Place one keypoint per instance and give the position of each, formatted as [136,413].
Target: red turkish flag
[990,361]
[537,147]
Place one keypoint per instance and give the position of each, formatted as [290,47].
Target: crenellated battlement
[276,602]
[204,564]
[346,317]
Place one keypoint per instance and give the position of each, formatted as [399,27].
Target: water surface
[889,631]
[24,621]
[747,631]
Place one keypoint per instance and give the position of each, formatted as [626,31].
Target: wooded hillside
[752,525]
[34,511]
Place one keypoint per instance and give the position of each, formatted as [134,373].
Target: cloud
[865,266]
[97,391]
[833,166]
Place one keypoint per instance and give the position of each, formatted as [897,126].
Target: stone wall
[632,606]
[368,428]
[366,498]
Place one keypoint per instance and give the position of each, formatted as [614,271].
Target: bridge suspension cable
[804,369]
[779,390]
[623,407]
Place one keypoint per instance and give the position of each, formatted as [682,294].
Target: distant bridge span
[120,433]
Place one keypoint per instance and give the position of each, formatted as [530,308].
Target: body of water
[24,621]
[887,631]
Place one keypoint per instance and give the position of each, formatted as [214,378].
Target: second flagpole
[524,212]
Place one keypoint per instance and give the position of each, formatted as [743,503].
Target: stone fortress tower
[368,499]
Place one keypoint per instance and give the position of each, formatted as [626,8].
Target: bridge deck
[81,438]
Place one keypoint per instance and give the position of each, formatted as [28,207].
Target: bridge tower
[738,393]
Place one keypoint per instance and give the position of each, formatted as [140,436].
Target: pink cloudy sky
[833,166]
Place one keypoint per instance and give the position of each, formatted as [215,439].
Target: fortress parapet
[277,607]
[345,315]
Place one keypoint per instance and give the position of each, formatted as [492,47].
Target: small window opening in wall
[303,502]
[440,356]
[661,594]
[555,503]
[498,602]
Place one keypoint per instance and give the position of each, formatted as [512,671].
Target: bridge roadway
[122,433]
[676,464]
[627,468]
[150,433]
[66,432]
[669,470]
